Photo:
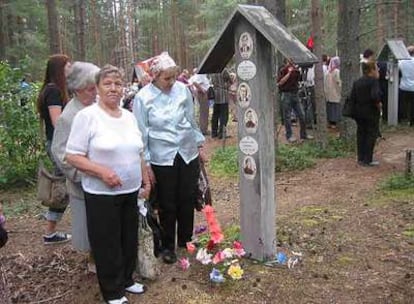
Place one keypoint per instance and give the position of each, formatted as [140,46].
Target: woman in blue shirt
[173,148]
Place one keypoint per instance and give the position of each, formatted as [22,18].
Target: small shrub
[289,158]
[398,182]
[21,145]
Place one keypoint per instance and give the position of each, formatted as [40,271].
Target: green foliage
[398,182]
[224,161]
[20,146]
[291,158]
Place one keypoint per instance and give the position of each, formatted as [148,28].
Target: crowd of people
[115,146]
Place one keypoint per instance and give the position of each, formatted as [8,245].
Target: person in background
[50,103]
[3,232]
[184,76]
[201,83]
[407,84]
[108,153]
[233,96]
[220,117]
[333,85]
[173,146]
[325,63]
[288,82]
[366,95]
[80,81]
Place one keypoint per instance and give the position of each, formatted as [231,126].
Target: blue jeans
[290,101]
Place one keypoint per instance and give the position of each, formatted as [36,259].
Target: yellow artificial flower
[235,272]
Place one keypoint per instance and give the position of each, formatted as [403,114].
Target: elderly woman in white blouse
[173,147]
[105,144]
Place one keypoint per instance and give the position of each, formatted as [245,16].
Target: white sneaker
[292,139]
[135,288]
[122,300]
[91,267]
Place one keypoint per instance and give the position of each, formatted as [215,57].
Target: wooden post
[256,142]
[393,93]
[409,162]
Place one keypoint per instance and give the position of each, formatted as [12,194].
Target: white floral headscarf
[161,63]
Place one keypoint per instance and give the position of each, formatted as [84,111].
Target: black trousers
[176,190]
[219,119]
[367,134]
[113,234]
[408,104]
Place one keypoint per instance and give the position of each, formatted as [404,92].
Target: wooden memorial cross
[249,34]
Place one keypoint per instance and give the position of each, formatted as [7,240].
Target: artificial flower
[235,271]
[203,257]
[219,257]
[281,258]
[237,245]
[216,235]
[191,248]
[184,263]
[228,253]
[216,276]
[200,229]
[210,245]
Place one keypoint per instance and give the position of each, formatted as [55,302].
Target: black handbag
[203,190]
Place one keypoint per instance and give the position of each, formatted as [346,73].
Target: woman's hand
[110,178]
[151,176]
[202,154]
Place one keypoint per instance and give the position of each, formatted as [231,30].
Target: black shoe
[169,257]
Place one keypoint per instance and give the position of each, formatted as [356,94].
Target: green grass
[398,182]
[224,162]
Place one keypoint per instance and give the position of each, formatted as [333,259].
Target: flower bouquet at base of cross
[213,248]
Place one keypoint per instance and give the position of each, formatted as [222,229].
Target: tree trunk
[380,24]
[277,9]
[322,134]
[348,49]
[2,33]
[80,16]
[52,17]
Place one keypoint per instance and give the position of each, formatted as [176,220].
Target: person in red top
[288,83]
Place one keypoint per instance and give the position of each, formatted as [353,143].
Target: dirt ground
[353,246]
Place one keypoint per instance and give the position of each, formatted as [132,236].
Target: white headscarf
[161,63]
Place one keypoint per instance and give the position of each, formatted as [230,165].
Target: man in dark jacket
[366,94]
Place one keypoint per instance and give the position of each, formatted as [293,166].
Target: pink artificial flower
[216,235]
[219,257]
[238,249]
[184,263]
[191,248]
[237,245]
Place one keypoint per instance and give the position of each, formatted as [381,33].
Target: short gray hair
[81,75]
[105,71]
